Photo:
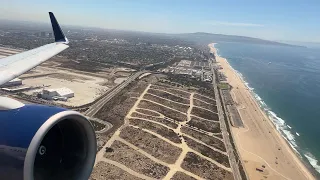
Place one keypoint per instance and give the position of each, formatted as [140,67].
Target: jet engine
[44,142]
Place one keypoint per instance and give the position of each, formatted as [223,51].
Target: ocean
[286,83]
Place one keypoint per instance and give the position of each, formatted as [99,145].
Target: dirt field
[136,161]
[148,112]
[209,140]
[180,107]
[155,138]
[205,114]
[181,176]
[117,108]
[173,90]
[169,96]
[104,171]
[173,114]
[160,120]
[161,130]
[205,99]
[86,88]
[196,164]
[202,104]
[208,126]
[206,151]
[151,144]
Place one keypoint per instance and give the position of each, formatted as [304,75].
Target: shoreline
[256,133]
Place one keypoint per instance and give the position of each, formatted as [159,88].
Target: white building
[60,93]
[13,82]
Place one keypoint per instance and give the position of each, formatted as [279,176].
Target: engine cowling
[45,142]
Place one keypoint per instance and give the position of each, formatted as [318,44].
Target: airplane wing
[15,65]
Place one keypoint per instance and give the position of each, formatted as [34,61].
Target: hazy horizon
[264,20]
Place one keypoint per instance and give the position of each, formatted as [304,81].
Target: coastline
[260,143]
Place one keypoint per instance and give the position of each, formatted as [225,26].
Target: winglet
[58,34]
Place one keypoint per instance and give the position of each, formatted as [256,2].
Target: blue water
[286,82]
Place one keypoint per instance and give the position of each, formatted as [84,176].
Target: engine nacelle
[44,142]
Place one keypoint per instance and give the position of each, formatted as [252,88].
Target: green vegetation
[224,86]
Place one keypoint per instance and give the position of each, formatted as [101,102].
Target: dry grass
[163,110]
[104,171]
[151,144]
[205,114]
[161,130]
[136,161]
[173,105]
[203,98]
[204,125]
[160,120]
[147,112]
[211,107]
[206,151]
[204,168]
[181,176]
[172,97]
[209,140]
[173,90]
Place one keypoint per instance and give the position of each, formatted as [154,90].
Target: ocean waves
[285,130]
[288,132]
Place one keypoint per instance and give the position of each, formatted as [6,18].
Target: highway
[110,94]
[225,134]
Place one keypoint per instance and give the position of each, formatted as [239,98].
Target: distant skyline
[283,20]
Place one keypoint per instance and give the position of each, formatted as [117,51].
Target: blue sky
[273,19]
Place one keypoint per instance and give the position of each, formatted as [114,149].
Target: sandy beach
[259,143]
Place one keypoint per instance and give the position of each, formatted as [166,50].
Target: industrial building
[13,82]
[57,94]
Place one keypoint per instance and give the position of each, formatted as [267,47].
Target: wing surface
[15,65]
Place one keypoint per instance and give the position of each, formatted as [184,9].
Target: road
[225,134]
[107,124]
[110,94]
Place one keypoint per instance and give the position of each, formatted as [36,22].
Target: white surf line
[204,118]
[164,106]
[155,122]
[169,93]
[160,115]
[126,169]
[168,99]
[205,109]
[209,146]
